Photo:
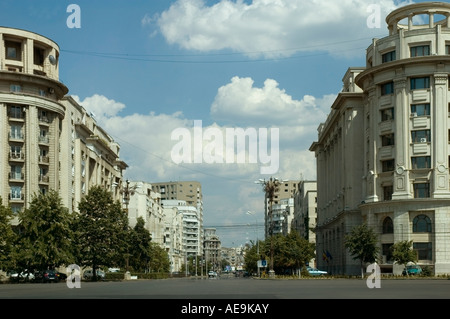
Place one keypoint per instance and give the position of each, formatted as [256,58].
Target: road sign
[262,263]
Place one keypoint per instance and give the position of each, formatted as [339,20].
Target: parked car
[61,275]
[412,270]
[316,272]
[23,276]
[46,276]
[88,274]
[212,274]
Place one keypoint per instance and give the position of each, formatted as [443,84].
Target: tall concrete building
[47,140]
[190,192]
[275,222]
[212,249]
[383,154]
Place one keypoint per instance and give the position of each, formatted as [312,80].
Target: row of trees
[362,244]
[289,253]
[48,236]
[293,252]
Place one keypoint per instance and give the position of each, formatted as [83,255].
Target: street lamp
[257,240]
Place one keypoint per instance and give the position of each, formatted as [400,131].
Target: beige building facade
[48,141]
[383,153]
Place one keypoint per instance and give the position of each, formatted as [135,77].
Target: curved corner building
[391,134]
[41,129]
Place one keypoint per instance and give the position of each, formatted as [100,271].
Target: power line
[152,57]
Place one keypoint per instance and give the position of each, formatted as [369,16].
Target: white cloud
[241,103]
[273,28]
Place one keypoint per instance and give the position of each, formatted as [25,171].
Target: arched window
[388,226]
[422,224]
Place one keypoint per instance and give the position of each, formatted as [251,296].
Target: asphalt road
[235,289]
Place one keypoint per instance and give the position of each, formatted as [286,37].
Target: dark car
[46,276]
[61,275]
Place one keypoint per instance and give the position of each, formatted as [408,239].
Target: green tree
[139,249]
[45,239]
[251,257]
[362,245]
[159,259]
[7,237]
[297,251]
[101,229]
[402,253]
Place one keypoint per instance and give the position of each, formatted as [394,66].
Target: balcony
[16,137]
[44,159]
[43,120]
[14,176]
[44,179]
[16,197]
[14,156]
[44,140]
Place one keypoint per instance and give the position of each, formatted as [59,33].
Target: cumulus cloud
[274,28]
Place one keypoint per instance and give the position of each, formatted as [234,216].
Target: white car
[316,272]
[87,275]
[212,274]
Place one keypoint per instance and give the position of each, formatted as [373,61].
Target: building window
[420,50]
[16,192]
[387,192]
[387,88]
[421,136]
[38,56]
[421,190]
[388,57]
[447,49]
[422,224]
[387,139]
[16,132]
[388,165]
[13,50]
[15,88]
[424,250]
[420,83]
[388,226]
[387,251]
[420,109]
[419,162]
[387,114]
[15,112]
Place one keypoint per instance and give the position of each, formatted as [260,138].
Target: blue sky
[148,67]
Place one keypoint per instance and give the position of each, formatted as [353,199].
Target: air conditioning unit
[414,114]
[423,140]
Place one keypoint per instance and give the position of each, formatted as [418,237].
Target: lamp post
[270,187]
[126,192]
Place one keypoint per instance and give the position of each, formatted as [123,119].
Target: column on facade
[370,144]
[439,140]
[401,109]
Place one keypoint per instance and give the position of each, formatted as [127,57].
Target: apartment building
[212,249]
[48,140]
[383,153]
[142,202]
[188,191]
[189,229]
[275,219]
